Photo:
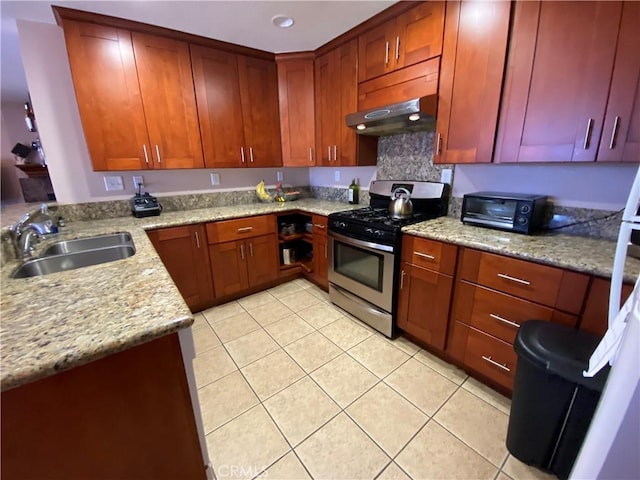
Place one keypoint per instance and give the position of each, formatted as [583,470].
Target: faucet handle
[16,226]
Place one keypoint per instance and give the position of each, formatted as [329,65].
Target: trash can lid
[560,350]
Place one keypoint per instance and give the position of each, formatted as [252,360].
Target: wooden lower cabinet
[596,311]
[183,250]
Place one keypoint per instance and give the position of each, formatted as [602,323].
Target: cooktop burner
[381,217]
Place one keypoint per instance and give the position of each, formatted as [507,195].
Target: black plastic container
[552,404]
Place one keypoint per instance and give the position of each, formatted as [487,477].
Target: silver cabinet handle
[251,248]
[513,279]
[245,229]
[242,154]
[311,154]
[504,320]
[158,153]
[197,240]
[386,53]
[503,366]
[587,134]
[614,132]
[146,156]
[397,48]
[329,151]
[402,279]
[251,154]
[242,251]
[424,255]
[325,251]
[439,144]
[335,153]
[321,227]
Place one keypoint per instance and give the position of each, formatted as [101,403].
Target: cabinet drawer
[500,314]
[550,286]
[431,254]
[239,228]
[319,224]
[491,357]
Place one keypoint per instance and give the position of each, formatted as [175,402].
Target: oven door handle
[360,243]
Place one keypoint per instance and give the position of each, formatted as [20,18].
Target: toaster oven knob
[523,220]
[525,209]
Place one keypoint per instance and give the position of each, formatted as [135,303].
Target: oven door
[362,268]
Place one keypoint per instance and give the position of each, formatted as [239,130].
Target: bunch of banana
[262,192]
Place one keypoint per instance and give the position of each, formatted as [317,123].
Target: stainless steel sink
[70,261]
[88,243]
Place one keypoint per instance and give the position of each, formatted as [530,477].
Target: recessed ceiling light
[282,21]
[414,117]
[361,126]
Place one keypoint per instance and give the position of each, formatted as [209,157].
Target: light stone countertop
[55,322]
[583,254]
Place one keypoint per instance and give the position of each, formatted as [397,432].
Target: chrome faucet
[29,230]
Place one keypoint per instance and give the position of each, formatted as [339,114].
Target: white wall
[326,176]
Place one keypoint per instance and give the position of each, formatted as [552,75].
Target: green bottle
[354,191]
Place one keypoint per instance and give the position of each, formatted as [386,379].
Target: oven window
[360,265]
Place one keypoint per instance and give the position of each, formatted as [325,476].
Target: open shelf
[305,236]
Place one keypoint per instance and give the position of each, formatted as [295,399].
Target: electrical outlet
[137,180]
[279,176]
[215,179]
[112,183]
[336,175]
[445,175]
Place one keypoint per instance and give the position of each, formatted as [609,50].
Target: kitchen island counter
[56,322]
[582,254]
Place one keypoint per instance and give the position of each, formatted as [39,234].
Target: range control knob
[525,209]
[523,220]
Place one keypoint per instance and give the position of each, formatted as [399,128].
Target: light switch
[137,180]
[112,183]
[445,175]
[336,175]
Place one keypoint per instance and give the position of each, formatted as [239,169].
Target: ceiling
[242,22]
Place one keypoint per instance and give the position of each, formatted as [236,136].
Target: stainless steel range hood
[410,116]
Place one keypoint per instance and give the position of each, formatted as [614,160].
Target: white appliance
[611,447]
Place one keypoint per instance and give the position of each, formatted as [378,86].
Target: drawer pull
[197,240]
[424,255]
[513,279]
[504,320]
[245,229]
[503,366]
[402,279]
[317,225]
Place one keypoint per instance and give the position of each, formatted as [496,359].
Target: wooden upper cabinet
[166,83]
[297,110]
[621,132]
[106,84]
[471,72]
[259,100]
[215,74]
[410,38]
[327,97]
[557,82]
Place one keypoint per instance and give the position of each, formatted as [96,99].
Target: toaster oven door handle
[360,243]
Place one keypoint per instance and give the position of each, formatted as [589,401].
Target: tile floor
[292,387]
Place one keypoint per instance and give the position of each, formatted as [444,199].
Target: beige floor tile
[387,418]
[288,329]
[404,344]
[234,327]
[199,322]
[301,409]
[224,399]
[300,300]
[245,446]
[435,453]
[223,311]
[450,371]
[272,373]
[204,339]
[251,347]
[303,282]
[344,379]
[378,355]
[393,472]
[212,365]
[503,476]
[257,299]
[287,468]
[285,289]
[521,471]
[423,387]
[344,333]
[319,293]
[313,351]
[270,312]
[320,314]
[478,424]
[340,450]
[488,394]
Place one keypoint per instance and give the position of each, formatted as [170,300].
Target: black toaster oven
[514,212]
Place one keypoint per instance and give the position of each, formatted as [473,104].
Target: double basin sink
[78,253]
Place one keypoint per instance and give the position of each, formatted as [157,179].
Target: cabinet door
[621,132]
[183,251]
[326,111]
[320,265]
[347,85]
[423,304]
[557,83]
[229,267]
[595,317]
[259,98]
[215,74]
[418,34]
[473,60]
[166,84]
[106,84]
[297,121]
[375,51]
[262,259]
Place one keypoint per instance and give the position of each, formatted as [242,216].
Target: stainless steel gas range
[364,250]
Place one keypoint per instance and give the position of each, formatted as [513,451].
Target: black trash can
[552,404]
